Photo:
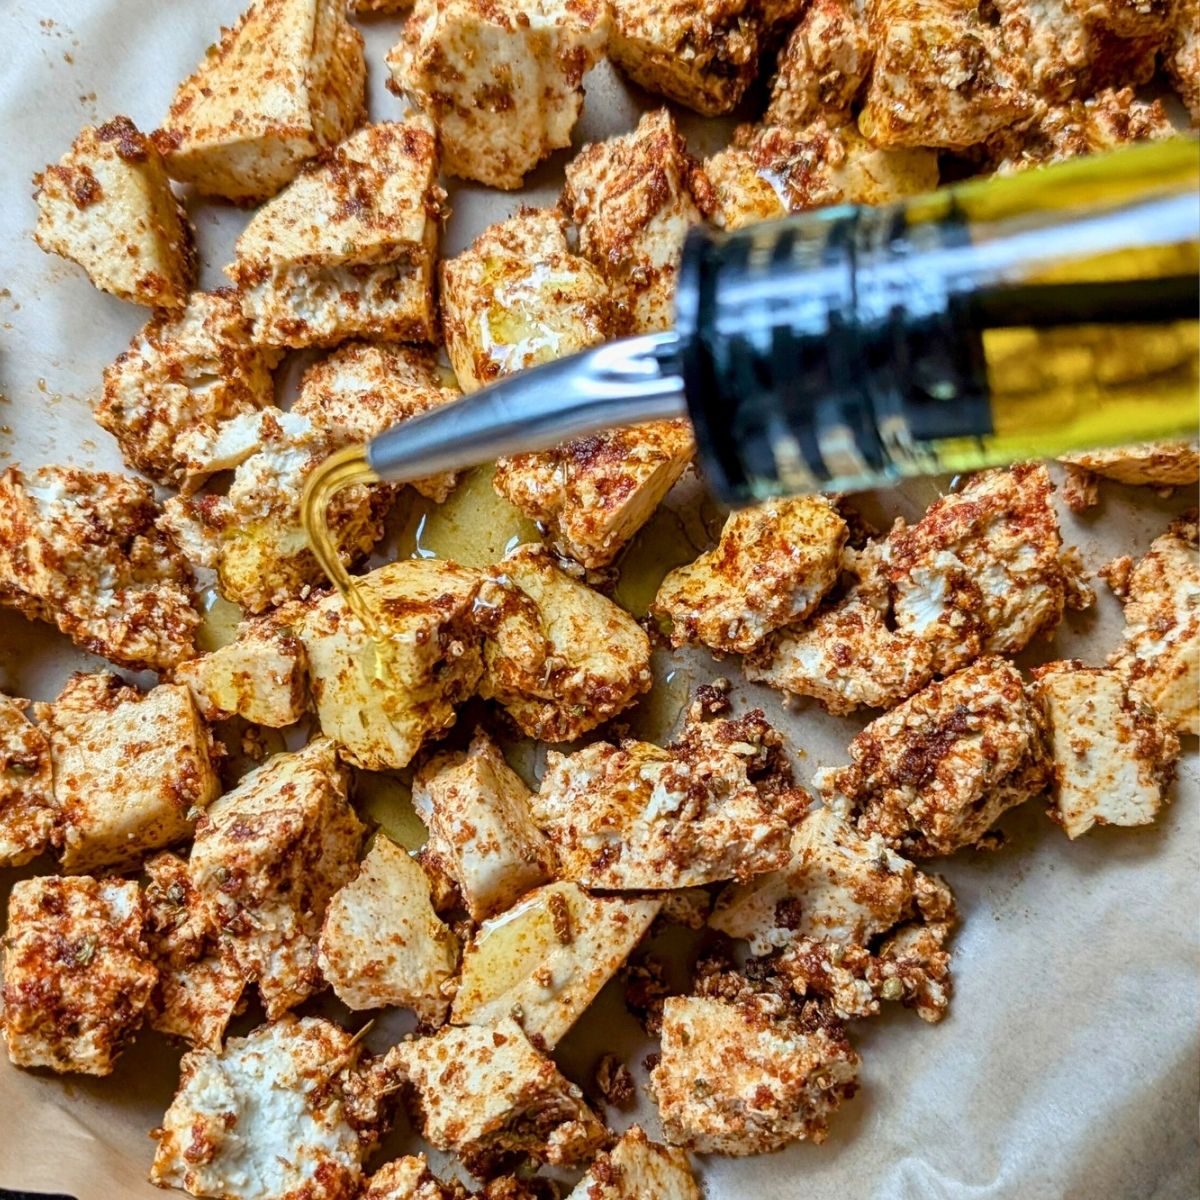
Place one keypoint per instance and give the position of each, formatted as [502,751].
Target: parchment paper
[1067,1067]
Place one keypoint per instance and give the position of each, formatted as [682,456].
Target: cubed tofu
[76,974]
[502,83]
[485,1093]
[942,76]
[183,370]
[286,82]
[380,702]
[268,857]
[742,1078]
[265,1117]
[559,656]
[408,1178]
[80,549]
[638,1169]
[132,771]
[1112,756]
[1181,55]
[382,944]
[1160,650]
[28,813]
[1145,464]
[772,566]
[545,959]
[108,206]
[634,198]
[347,250]
[700,53]
[937,772]
[477,811]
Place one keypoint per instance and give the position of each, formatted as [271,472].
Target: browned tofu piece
[1182,55]
[638,1169]
[1145,464]
[28,813]
[409,1178]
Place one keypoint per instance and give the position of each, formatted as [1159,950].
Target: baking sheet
[1068,1064]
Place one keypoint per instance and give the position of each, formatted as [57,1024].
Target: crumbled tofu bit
[363,388]
[409,1178]
[638,1169]
[265,1118]
[519,297]
[477,811]
[75,971]
[1149,464]
[80,550]
[1160,650]
[942,75]
[634,198]
[1182,55]
[485,1093]
[936,772]
[770,171]
[700,53]
[772,566]
[28,813]
[382,944]
[108,206]
[347,249]
[380,708]
[559,656]
[286,82]
[502,83]
[132,771]
[746,1078]
[544,960]
[267,858]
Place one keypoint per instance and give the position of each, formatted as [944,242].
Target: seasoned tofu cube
[942,76]
[743,1078]
[634,197]
[381,700]
[1160,650]
[132,771]
[1148,464]
[286,82]
[545,959]
[936,772]
[559,656]
[1112,756]
[75,971]
[382,944]
[1181,55]
[268,857]
[80,549]
[347,250]
[408,1178]
[700,53]
[28,813]
[638,1169]
[485,1093]
[108,205]
[267,1116]
[502,83]
[183,370]
[772,566]
[480,830]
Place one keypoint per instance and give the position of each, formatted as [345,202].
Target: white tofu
[28,813]
[502,83]
[638,1169]
[286,82]
[1145,464]
[132,771]
[1181,56]
[108,205]
[544,960]
[407,1178]
[76,974]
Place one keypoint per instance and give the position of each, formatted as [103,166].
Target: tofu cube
[502,83]
[380,702]
[132,771]
[638,1169]
[76,975]
[80,549]
[286,82]
[408,1178]
[480,830]
[545,959]
[1145,464]
[347,250]
[28,813]
[1181,56]
[382,944]
[108,206]
[740,1078]
[267,859]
